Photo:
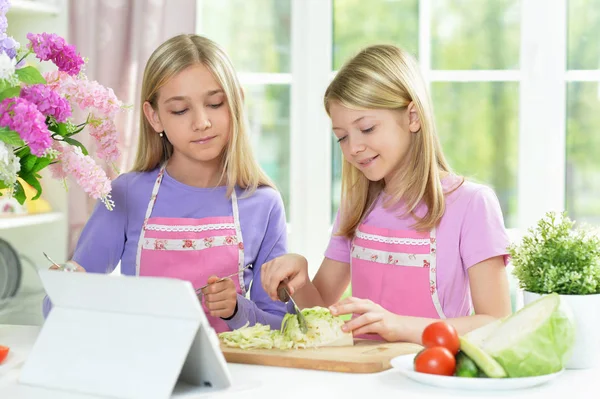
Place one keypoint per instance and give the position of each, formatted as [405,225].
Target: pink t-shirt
[471,231]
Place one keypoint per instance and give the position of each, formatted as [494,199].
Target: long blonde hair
[386,77]
[173,56]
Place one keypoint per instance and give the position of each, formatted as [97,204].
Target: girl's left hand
[372,318]
[220,297]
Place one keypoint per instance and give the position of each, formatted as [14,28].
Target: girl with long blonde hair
[196,206]
[417,242]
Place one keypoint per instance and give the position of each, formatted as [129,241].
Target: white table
[274,382]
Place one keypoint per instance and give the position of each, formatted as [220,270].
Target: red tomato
[441,334]
[3,353]
[436,360]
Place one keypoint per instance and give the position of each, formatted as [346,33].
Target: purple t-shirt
[471,231]
[112,236]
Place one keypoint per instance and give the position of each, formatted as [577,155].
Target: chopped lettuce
[255,337]
[323,330]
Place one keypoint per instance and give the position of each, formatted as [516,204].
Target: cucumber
[485,362]
[465,366]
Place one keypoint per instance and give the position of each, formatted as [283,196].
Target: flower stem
[25,56]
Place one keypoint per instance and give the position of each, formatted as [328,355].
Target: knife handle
[282,293]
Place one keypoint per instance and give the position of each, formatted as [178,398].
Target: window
[469,52]
[515,92]
[583,104]
[257,39]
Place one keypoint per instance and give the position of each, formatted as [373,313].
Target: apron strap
[238,232]
[433,272]
[151,203]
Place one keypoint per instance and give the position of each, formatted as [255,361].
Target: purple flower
[9,46]
[4,6]
[24,118]
[3,25]
[48,102]
[53,47]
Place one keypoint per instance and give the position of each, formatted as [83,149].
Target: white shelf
[31,7]
[10,222]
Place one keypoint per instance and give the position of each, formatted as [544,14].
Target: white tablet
[126,337]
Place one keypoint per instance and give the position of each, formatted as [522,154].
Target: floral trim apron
[397,270]
[192,249]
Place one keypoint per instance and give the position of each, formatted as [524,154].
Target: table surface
[251,381]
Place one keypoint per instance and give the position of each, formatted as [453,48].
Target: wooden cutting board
[364,357]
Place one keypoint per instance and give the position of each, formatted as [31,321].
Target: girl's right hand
[70,266]
[292,269]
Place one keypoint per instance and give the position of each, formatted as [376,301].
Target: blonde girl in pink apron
[417,242]
[196,206]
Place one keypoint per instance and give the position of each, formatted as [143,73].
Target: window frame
[542,78]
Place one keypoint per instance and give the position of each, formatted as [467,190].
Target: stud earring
[161,134]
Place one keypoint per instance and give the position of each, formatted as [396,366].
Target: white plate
[404,364]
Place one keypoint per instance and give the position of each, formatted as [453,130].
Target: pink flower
[53,47]
[24,118]
[88,95]
[49,102]
[89,175]
[106,136]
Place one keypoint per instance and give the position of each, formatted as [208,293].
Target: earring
[161,134]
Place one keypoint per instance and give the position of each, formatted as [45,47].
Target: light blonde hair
[173,56]
[386,77]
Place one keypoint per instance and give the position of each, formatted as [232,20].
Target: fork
[67,267]
[199,290]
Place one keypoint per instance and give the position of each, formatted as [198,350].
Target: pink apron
[192,249]
[397,270]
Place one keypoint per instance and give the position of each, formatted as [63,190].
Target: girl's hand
[289,268]
[70,266]
[220,297]
[372,318]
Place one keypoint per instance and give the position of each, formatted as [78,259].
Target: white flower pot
[586,311]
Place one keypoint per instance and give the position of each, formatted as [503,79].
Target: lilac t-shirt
[471,231]
[112,236]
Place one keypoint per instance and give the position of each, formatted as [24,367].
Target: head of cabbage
[536,340]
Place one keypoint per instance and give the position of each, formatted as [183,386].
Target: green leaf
[19,193]
[41,164]
[62,130]
[3,85]
[10,137]
[30,75]
[33,182]
[10,92]
[28,163]
[77,143]
[23,151]
[74,132]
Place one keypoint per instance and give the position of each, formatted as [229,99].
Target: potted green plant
[556,257]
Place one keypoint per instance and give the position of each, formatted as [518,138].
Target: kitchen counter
[275,382]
